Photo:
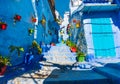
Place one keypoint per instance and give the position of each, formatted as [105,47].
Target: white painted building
[63,26]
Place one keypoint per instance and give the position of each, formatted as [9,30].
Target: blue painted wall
[17,34]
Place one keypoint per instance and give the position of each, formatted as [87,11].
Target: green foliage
[30,31]
[5,60]
[36,46]
[80,56]
[79,53]
[16,48]
[70,43]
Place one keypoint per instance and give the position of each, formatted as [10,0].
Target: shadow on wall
[114,15]
[116,19]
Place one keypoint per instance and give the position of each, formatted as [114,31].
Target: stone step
[111,73]
[76,77]
[60,58]
[113,65]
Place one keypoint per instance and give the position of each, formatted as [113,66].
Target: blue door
[103,39]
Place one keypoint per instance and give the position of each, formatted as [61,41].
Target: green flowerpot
[81,58]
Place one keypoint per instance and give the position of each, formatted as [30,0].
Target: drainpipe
[36,16]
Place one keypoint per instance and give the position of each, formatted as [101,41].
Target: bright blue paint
[103,41]
[62,6]
[18,34]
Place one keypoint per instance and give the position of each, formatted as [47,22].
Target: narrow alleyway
[61,65]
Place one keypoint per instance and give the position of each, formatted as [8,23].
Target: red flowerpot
[52,44]
[3,69]
[17,17]
[73,49]
[34,19]
[68,26]
[3,26]
[74,21]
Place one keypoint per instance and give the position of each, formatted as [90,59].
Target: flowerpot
[34,19]
[2,70]
[74,21]
[68,26]
[52,44]
[80,58]
[43,21]
[73,49]
[77,25]
[17,18]
[3,26]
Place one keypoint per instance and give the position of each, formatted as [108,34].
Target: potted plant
[80,56]
[36,46]
[4,61]
[13,48]
[73,49]
[67,42]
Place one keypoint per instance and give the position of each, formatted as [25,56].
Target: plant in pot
[80,56]
[13,48]
[36,46]
[73,49]
[4,61]
[67,42]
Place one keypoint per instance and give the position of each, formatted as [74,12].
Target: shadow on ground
[75,77]
[17,71]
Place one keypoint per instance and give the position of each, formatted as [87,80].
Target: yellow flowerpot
[77,25]
[43,21]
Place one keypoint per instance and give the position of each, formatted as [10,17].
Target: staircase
[60,54]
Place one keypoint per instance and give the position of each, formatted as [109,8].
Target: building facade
[25,21]
[99,22]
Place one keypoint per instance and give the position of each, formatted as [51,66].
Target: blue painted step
[111,73]
[77,77]
[113,65]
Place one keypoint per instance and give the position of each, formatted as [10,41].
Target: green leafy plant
[4,60]
[79,53]
[19,49]
[30,31]
[36,46]
[70,43]
[80,56]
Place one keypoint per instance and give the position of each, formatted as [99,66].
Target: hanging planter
[3,26]
[68,26]
[34,19]
[73,49]
[78,24]
[17,18]
[74,20]
[58,21]
[37,47]
[2,69]
[52,44]
[4,62]
[43,21]
[13,48]
[30,31]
